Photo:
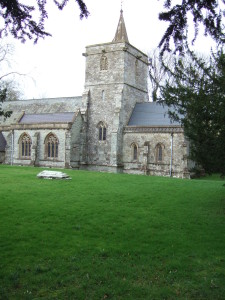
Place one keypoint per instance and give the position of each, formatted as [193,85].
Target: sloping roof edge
[151,114]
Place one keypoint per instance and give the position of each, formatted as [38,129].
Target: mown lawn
[110,236]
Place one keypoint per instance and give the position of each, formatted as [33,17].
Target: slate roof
[65,117]
[150,114]
[2,142]
[39,106]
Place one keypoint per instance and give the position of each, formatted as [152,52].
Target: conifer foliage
[19,18]
[196,98]
[209,13]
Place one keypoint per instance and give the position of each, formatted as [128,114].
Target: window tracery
[25,146]
[51,146]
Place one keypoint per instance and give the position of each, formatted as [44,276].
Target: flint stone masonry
[53,175]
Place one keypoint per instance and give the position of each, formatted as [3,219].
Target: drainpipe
[12,147]
[171,154]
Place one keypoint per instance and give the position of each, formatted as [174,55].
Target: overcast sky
[56,67]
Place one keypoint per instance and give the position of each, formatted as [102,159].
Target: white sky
[55,65]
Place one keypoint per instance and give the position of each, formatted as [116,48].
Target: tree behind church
[199,103]
[9,86]
[3,97]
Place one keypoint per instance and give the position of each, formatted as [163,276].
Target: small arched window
[101,131]
[51,146]
[134,151]
[25,146]
[103,63]
[159,153]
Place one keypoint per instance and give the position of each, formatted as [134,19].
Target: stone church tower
[115,80]
[112,127]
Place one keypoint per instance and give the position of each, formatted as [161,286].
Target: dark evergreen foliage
[198,97]
[3,97]
[19,21]
[206,12]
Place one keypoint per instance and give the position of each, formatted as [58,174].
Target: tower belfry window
[104,63]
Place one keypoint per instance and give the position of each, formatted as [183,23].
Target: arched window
[101,131]
[103,63]
[51,146]
[134,151]
[25,146]
[159,152]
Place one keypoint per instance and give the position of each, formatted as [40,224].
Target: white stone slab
[53,175]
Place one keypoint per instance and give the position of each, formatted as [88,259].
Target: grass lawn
[110,236]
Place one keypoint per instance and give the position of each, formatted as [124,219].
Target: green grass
[110,236]
[217,177]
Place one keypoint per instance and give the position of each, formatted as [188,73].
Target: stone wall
[75,142]
[114,88]
[146,162]
[38,157]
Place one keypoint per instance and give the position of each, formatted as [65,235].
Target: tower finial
[122,5]
[121,33]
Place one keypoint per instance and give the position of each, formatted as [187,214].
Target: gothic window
[159,153]
[134,151]
[51,146]
[103,63]
[25,146]
[101,131]
[103,95]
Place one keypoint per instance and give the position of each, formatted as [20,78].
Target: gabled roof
[65,117]
[39,106]
[150,114]
[2,142]
[121,33]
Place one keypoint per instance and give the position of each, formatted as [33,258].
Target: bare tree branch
[11,73]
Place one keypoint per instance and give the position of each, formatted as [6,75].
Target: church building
[112,127]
